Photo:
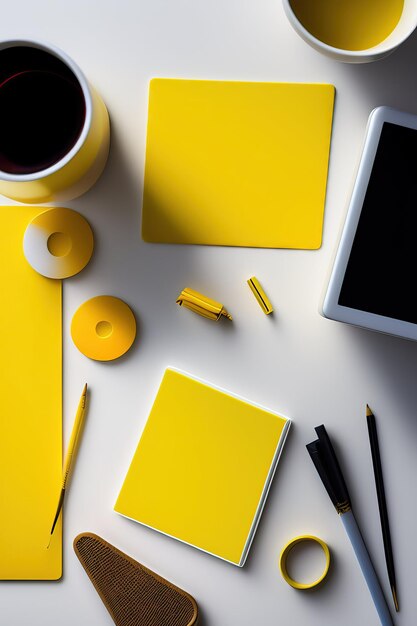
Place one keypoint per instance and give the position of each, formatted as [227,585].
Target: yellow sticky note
[31,411]
[236,163]
[203,467]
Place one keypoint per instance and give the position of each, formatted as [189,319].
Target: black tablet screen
[382,268]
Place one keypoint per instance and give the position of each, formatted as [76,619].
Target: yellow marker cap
[260,295]
[202,305]
[283,561]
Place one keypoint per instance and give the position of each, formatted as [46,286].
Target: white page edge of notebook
[268,480]
[265,491]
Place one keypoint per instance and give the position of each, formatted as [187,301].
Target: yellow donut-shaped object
[283,561]
[58,243]
[103,328]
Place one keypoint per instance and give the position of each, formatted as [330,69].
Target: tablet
[373,279]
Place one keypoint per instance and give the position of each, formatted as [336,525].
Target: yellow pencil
[76,429]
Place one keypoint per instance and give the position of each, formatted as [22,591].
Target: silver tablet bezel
[330,306]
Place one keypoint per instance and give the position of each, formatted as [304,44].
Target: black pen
[382,503]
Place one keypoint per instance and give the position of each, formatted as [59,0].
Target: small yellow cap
[260,295]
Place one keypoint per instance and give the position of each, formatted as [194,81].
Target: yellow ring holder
[58,243]
[103,328]
[283,561]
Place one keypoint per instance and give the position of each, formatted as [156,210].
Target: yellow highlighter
[72,448]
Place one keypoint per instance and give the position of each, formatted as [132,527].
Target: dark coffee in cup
[42,110]
[54,126]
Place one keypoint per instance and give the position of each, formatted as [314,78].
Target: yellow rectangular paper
[237,163]
[203,467]
[31,413]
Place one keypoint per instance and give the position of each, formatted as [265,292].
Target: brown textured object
[133,594]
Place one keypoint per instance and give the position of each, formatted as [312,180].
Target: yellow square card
[236,163]
[203,467]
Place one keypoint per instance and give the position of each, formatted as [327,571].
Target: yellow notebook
[31,412]
[236,163]
[203,467]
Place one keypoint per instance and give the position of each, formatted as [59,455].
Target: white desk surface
[311,369]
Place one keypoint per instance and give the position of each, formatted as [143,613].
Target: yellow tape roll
[283,561]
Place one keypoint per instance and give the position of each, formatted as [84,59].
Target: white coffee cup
[71,168]
[405,26]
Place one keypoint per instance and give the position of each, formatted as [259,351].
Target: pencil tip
[84,390]
[368,411]
[394,595]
